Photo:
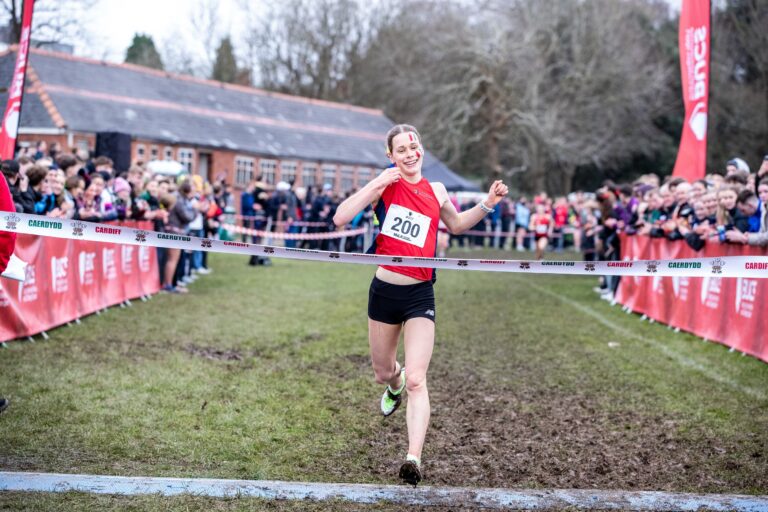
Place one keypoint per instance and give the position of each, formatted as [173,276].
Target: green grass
[291,395]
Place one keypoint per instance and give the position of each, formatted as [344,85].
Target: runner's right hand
[387,177]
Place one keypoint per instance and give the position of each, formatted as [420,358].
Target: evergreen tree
[143,52]
[225,67]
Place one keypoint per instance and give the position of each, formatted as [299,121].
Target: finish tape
[724,266]
[293,236]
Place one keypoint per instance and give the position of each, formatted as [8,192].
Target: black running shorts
[396,303]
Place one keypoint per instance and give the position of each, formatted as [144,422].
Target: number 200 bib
[406,225]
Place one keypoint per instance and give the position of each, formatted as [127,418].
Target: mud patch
[213,353]
[486,435]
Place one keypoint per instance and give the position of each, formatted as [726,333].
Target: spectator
[181,214]
[522,220]
[123,204]
[726,208]
[10,171]
[68,164]
[747,219]
[41,150]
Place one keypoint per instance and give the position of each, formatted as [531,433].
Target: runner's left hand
[496,193]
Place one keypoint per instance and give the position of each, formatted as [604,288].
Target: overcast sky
[114,22]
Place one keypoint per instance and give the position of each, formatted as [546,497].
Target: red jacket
[7,239]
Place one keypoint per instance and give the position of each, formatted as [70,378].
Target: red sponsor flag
[10,123]
[693,38]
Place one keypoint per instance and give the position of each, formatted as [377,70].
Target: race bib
[406,225]
[542,229]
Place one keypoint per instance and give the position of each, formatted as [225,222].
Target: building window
[309,175]
[243,170]
[140,152]
[347,178]
[186,158]
[288,171]
[364,175]
[82,144]
[168,153]
[329,175]
[153,153]
[268,168]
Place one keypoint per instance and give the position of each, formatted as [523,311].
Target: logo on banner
[144,253]
[462,263]
[680,287]
[141,236]
[397,259]
[206,243]
[127,259]
[28,289]
[746,290]
[696,49]
[269,250]
[698,121]
[717,266]
[108,264]
[652,266]
[86,263]
[334,255]
[756,265]
[78,228]
[710,292]
[524,265]
[11,221]
[11,122]
[589,267]
[59,279]
[47,224]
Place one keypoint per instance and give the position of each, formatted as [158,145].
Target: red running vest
[408,219]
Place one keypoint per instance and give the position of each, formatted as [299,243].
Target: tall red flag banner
[12,116]
[693,38]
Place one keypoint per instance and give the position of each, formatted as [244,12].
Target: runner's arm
[369,194]
[456,222]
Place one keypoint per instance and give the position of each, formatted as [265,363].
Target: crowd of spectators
[74,186]
[728,207]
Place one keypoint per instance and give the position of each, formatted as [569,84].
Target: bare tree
[53,23]
[195,55]
[307,47]
[738,83]
[542,86]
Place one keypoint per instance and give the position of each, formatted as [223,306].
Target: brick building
[214,129]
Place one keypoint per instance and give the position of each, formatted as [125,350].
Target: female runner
[409,209]
[541,226]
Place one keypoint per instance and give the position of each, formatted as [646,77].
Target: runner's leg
[419,341]
[383,339]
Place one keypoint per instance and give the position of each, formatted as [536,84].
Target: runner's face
[407,153]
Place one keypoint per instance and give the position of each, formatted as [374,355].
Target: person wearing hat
[122,198]
[736,165]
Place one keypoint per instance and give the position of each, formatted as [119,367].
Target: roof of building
[93,96]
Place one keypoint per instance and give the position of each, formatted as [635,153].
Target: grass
[262,373]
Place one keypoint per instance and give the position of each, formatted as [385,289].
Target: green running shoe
[391,400]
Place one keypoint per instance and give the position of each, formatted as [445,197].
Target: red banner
[693,40]
[726,310]
[12,116]
[68,279]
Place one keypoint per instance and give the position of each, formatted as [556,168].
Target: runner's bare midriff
[394,278]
